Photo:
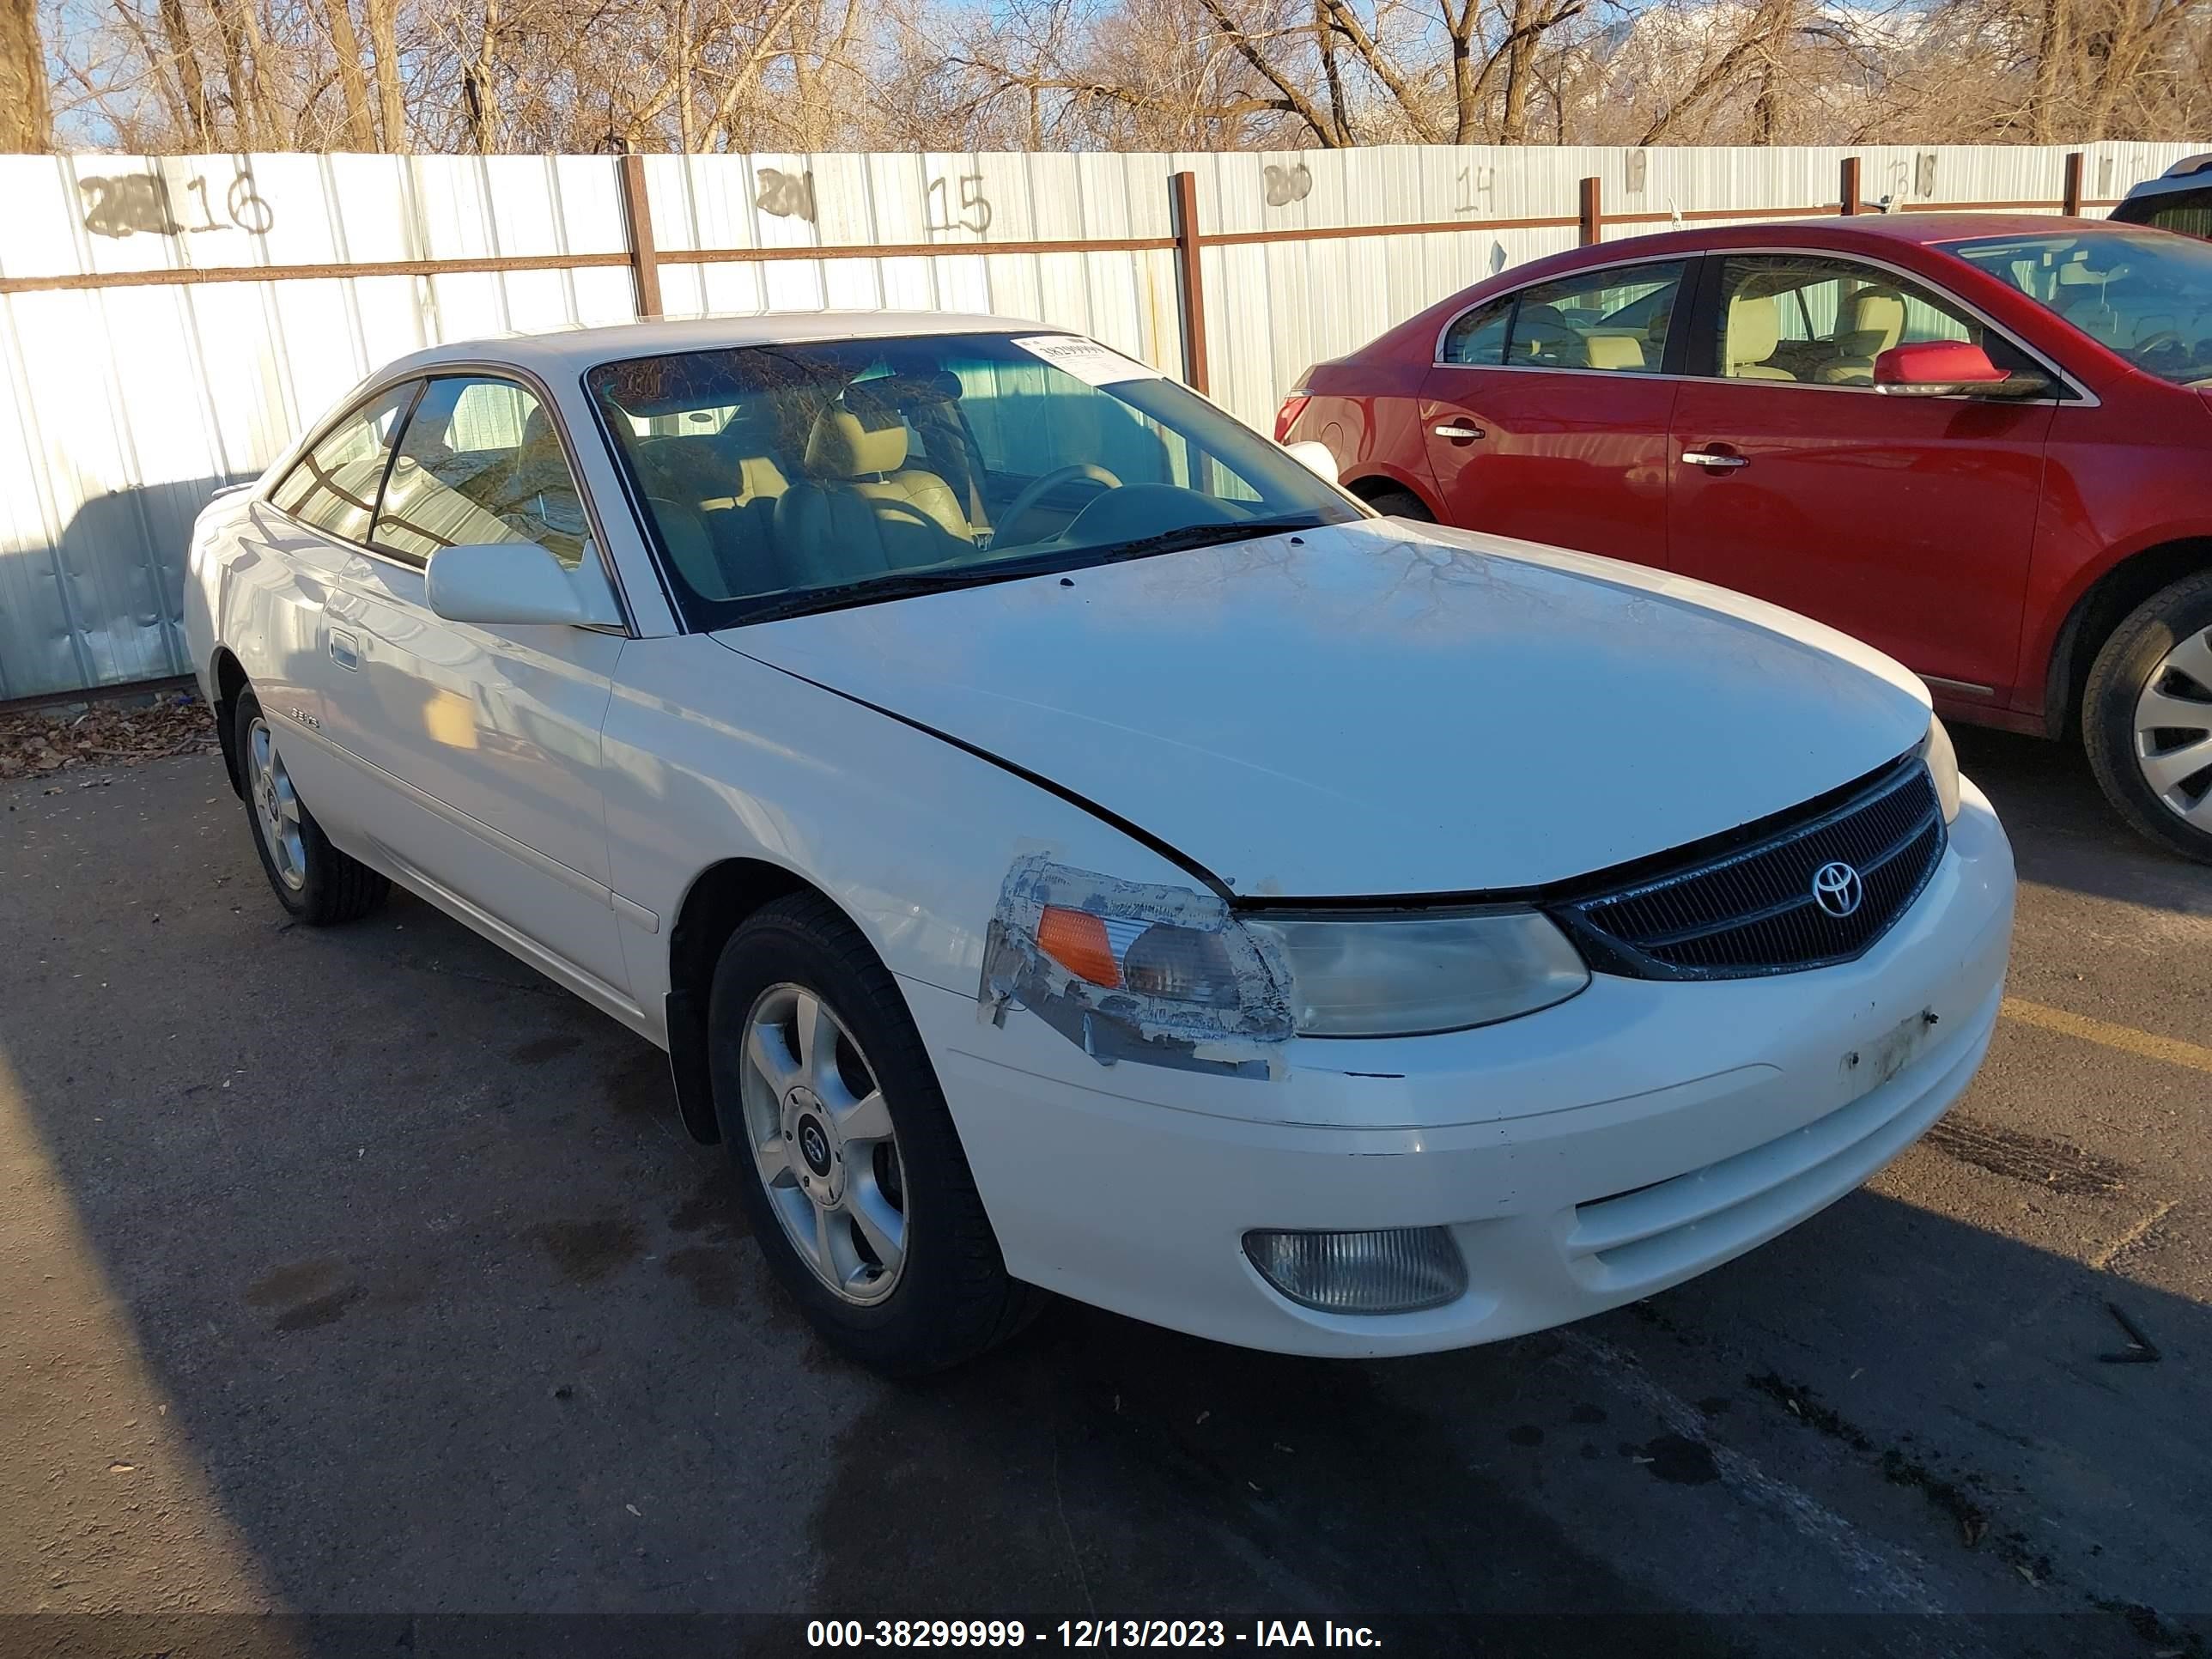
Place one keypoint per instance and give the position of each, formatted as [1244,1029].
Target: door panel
[481,743]
[1574,461]
[1547,419]
[1904,521]
[501,727]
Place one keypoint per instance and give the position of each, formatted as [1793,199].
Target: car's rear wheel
[311,879]
[1400,504]
[847,1158]
[2147,717]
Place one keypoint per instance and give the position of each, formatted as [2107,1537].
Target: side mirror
[1315,457]
[519,582]
[1950,368]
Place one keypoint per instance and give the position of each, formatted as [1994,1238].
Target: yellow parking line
[2171,1050]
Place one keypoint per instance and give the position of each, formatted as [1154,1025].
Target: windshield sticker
[1086,359]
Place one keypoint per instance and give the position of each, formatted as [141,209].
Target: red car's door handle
[1714,461]
[1459,432]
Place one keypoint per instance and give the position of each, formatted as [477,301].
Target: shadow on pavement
[2065,834]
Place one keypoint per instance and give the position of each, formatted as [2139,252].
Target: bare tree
[25,116]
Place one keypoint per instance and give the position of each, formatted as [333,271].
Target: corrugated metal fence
[167,324]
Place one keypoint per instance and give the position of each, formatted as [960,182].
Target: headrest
[857,437]
[1613,350]
[1882,309]
[1754,329]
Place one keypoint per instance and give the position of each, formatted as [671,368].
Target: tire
[2157,662]
[946,1295]
[1400,504]
[318,883]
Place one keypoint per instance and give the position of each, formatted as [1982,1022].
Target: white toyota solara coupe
[1062,841]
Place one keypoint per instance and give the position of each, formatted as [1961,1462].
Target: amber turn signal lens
[1077,941]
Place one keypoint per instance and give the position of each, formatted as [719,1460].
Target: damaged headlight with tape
[1134,970]
[1172,976]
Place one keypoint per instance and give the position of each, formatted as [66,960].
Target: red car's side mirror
[1949,369]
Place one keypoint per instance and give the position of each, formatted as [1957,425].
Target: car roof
[1839,230]
[563,350]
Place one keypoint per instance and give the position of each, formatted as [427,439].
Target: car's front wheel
[2147,717]
[1400,504]
[311,878]
[858,1189]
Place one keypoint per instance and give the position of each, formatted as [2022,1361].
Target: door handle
[345,651]
[1459,432]
[1706,458]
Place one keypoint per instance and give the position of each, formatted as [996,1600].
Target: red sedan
[1982,443]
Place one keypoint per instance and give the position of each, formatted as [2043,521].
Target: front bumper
[1583,1157]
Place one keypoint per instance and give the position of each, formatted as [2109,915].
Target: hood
[1370,710]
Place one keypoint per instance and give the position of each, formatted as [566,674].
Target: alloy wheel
[823,1144]
[277,805]
[2173,730]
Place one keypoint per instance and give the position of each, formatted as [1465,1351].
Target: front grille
[1751,910]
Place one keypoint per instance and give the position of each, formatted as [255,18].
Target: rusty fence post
[1589,212]
[1190,280]
[637,217]
[2072,201]
[1849,196]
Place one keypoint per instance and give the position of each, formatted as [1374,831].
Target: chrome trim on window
[2082,395]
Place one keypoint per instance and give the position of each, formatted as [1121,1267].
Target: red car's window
[1615,318]
[2144,294]
[1810,318]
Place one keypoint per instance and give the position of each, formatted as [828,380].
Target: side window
[480,461]
[333,486]
[1476,339]
[1613,319]
[2188,211]
[1811,318]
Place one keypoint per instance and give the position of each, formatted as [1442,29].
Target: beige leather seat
[1753,330]
[861,510]
[749,453]
[1613,351]
[1873,321]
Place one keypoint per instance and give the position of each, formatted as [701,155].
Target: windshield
[2145,293]
[786,478]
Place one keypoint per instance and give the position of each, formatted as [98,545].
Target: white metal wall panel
[126,406]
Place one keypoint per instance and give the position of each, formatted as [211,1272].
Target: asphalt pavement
[363,1276]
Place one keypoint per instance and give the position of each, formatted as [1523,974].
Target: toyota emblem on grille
[1837,889]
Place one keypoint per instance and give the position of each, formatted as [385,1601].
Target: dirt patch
[712,1273]
[1679,1460]
[640,1087]
[304,1294]
[114,732]
[587,1251]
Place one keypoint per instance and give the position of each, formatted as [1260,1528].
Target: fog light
[1398,1270]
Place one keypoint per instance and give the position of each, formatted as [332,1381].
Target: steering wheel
[1039,487]
[2166,339]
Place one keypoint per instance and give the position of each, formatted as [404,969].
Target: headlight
[1134,970]
[1942,767]
[1406,975]
[1170,976]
